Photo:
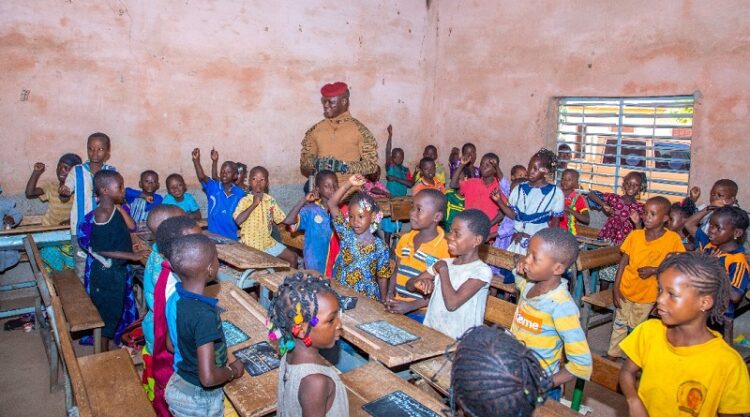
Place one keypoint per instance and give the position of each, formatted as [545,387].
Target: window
[610,137]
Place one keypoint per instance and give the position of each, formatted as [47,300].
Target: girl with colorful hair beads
[363,263]
[303,318]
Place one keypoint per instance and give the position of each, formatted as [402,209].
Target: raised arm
[197,165]
[691,224]
[465,160]
[32,191]
[388,146]
[355,180]
[291,218]
[214,164]
[126,216]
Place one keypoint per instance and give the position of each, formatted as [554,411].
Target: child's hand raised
[64,191]
[196,154]
[495,195]
[465,160]
[357,180]
[312,196]
[390,130]
[39,167]
[695,193]
[214,154]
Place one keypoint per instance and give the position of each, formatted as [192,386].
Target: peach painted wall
[499,64]
[162,77]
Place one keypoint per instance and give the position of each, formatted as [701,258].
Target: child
[723,193]
[304,318]
[416,251]
[195,333]
[477,191]
[455,202]
[110,248]
[468,151]
[535,204]
[635,288]
[685,368]
[517,175]
[454,159]
[363,263]
[677,217]
[256,213]
[494,375]
[564,155]
[546,319]
[430,151]
[311,216]
[428,179]
[179,197]
[242,176]
[11,218]
[55,257]
[144,200]
[98,147]
[223,195]
[624,211]
[374,187]
[576,207]
[726,232]
[399,181]
[458,285]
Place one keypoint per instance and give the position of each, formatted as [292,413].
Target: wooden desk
[34,228]
[244,257]
[430,343]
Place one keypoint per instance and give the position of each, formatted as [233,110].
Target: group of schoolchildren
[438,278]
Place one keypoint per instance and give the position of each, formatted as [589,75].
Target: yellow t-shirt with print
[690,381]
[256,230]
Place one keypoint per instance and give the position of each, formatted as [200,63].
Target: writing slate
[258,358]
[397,404]
[233,334]
[388,333]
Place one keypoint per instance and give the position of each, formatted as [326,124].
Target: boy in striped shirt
[547,318]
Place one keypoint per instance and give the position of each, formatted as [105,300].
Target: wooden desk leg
[98,340]
[245,275]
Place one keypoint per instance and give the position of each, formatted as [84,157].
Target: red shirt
[477,195]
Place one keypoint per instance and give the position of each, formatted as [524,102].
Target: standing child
[546,319]
[726,232]
[363,263]
[256,214]
[430,151]
[455,202]
[416,251]
[11,218]
[458,285]
[179,197]
[110,249]
[200,351]
[535,204]
[478,191]
[685,368]
[81,183]
[374,187]
[635,288]
[518,175]
[399,181]
[576,207]
[223,195]
[242,176]
[467,151]
[678,215]
[723,193]
[311,216]
[428,179]
[304,318]
[144,200]
[624,211]
[56,257]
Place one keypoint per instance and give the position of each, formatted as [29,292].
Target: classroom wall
[162,77]
[500,64]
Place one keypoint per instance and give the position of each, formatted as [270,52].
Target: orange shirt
[645,253]
[422,185]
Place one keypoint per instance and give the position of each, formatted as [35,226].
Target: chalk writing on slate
[388,333]
[258,358]
[232,334]
[397,404]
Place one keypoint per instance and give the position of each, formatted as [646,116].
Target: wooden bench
[587,231]
[499,258]
[79,310]
[103,384]
[603,372]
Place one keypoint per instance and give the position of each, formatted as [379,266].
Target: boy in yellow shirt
[416,251]
[635,288]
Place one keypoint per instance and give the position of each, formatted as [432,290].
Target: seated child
[564,155]
[677,217]
[416,251]
[427,179]
[179,197]
[517,175]
[223,195]
[374,187]
[458,285]
[242,176]
[455,202]
[256,213]
[430,151]
[535,204]
[685,368]
[468,151]
[478,191]
[623,211]
[110,249]
[195,333]
[546,318]
[576,207]
[144,200]
[635,289]
[454,159]
[363,264]
[723,193]
[11,218]
[726,232]
[55,257]
[304,318]
[311,216]
[494,375]
[399,180]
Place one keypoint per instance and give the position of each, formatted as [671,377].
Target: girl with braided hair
[535,204]
[304,318]
[686,368]
[495,375]
[624,211]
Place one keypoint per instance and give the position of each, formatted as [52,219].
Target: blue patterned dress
[359,266]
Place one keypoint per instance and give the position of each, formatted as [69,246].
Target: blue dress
[359,266]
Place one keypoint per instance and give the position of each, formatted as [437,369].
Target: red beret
[333,90]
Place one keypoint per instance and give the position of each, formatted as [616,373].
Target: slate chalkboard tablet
[232,334]
[258,358]
[388,333]
[397,404]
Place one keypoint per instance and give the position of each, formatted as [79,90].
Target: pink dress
[618,225]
